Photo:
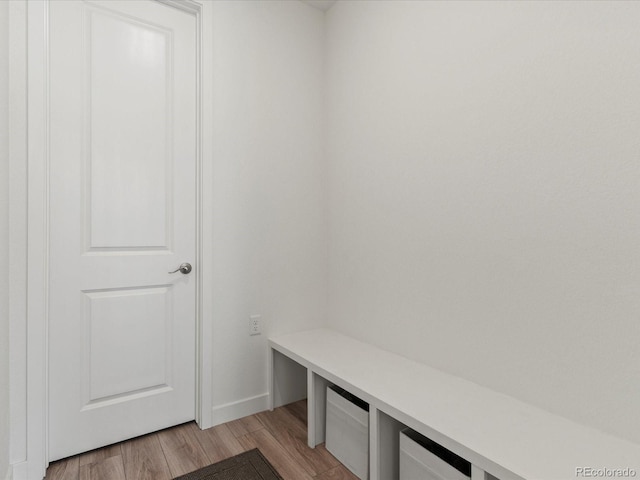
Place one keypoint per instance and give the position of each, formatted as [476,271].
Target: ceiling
[320,4]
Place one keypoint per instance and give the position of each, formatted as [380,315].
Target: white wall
[484,185]
[269,188]
[4,239]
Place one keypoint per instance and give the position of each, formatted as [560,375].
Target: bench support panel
[477,473]
[287,380]
[384,445]
[316,408]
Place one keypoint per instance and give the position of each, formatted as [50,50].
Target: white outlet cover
[255,324]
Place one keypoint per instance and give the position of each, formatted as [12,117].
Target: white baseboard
[241,408]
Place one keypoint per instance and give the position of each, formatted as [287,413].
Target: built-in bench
[499,435]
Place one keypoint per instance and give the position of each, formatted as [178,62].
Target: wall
[4,239]
[269,189]
[484,176]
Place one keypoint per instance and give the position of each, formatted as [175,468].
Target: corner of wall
[270,253]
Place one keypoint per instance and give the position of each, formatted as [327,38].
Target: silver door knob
[184,269]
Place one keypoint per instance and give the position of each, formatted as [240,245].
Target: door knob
[184,269]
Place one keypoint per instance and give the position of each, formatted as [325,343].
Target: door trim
[29,435]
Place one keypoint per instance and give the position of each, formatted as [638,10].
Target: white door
[122,123]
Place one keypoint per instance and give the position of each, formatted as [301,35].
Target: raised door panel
[117,324]
[129,131]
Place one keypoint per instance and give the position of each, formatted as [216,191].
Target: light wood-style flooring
[281,436]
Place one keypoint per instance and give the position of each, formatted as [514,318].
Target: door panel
[129,190]
[122,120]
[145,314]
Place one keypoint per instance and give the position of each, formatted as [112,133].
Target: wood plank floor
[280,435]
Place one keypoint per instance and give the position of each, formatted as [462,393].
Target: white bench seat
[498,434]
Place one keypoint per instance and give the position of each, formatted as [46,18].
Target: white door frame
[29,409]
